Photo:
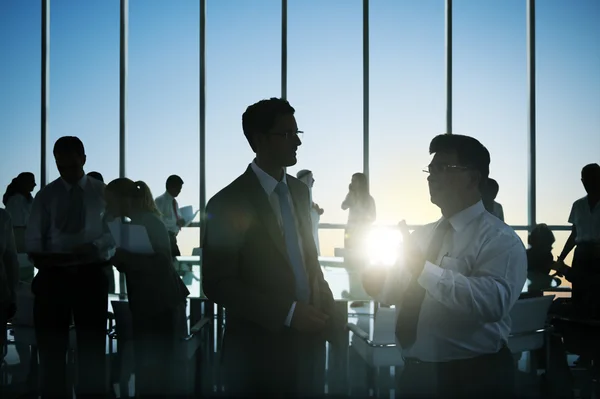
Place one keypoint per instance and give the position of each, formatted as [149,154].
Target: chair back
[384,328]
[528,316]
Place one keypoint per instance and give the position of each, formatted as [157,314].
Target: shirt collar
[267,181]
[81,183]
[462,219]
[168,196]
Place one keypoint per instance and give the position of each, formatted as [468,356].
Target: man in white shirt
[260,262]
[456,285]
[71,246]
[585,235]
[169,208]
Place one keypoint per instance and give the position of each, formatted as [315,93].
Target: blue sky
[407,94]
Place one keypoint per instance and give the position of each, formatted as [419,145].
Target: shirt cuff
[430,276]
[288,319]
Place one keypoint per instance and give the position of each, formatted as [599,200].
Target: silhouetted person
[489,194]
[540,260]
[456,285]
[361,212]
[169,208]
[260,263]
[585,233]
[156,294]
[96,175]
[9,274]
[17,199]
[306,176]
[70,245]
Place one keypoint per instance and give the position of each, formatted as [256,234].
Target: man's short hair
[174,180]
[589,171]
[303,173]
[68,145]
[260,117]
[470,152]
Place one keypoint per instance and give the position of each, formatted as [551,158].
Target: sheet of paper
[130,237]
[187,214]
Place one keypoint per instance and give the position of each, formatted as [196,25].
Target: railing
[341,226]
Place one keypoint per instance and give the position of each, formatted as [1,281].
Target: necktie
[74,221]
[175,212]
[408,317]
[292,243]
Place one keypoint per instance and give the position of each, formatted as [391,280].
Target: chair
[529,329]
[187,350]
[377,350]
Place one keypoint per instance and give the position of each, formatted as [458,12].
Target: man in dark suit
[260,262]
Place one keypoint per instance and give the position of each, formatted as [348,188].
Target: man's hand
[373,280]
[319,210]
[308,319]
[180,222]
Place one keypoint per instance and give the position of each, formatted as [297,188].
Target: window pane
[325,87]
[243,64]
[407,105]
[163,127]
[568,100]
[20,93]
[84,81]
[490,92]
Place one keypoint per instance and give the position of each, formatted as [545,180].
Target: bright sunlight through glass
[384,246]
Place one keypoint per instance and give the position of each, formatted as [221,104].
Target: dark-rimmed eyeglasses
[441,168]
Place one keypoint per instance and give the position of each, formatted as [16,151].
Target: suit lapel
[260,201]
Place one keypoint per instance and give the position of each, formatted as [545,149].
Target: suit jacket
[245,266]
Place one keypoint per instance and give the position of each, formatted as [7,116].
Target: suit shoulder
[229,196]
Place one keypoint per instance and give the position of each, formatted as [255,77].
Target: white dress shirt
[164,203]
[269,183]
[470,290]
[43,233]
[19,209]
[586,221]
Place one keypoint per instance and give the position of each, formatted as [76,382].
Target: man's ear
[476,180]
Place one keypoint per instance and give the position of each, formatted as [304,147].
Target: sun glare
[384,245]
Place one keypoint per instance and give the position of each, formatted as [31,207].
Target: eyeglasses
[435,168]
[288,135]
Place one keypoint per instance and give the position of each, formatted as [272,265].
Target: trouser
[586,265]
[61,295]
[485,376]
[155,336]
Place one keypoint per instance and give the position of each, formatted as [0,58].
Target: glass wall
[568,100]
[490,92]
[243,66]
[84,81]
[163,106]
[407,105]
[20,93]
[325,87]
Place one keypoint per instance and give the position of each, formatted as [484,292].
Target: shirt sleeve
[490,291]
[573,214]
